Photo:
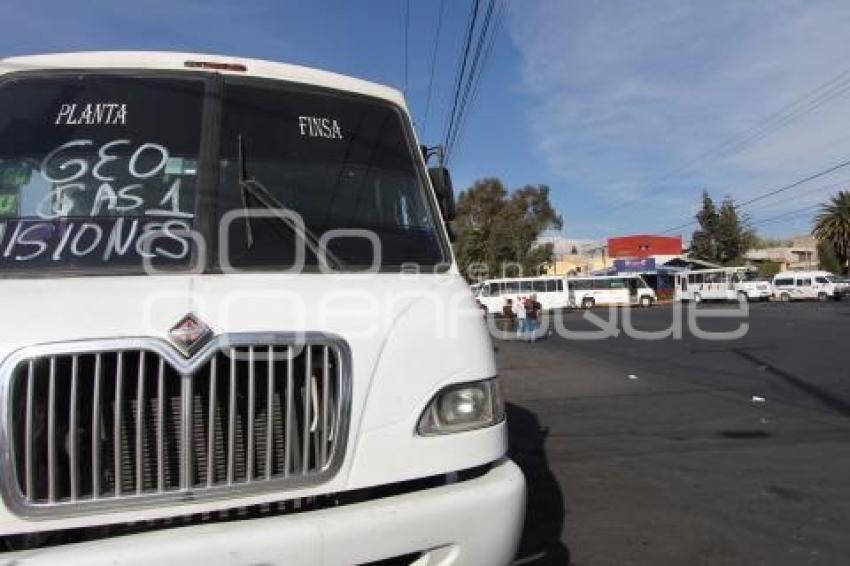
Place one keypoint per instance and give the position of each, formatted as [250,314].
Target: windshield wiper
[243,191]
[250,187]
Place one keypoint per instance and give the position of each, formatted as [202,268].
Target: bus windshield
[99,172]
[340,162]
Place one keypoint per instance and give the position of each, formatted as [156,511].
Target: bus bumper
[472,523]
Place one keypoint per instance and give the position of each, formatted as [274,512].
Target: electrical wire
[476,79]
[798,216]
[433,65]
[784,215]
[832,186]
[461,71]
[814,99]
[768,194]
[471,75]
[806,104]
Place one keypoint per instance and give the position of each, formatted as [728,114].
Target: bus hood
[361,309]
[409,337]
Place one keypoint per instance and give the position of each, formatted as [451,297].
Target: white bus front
[227,293]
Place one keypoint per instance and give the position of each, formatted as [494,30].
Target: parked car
[796,285]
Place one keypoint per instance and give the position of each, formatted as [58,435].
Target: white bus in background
[588,292]
[550,292]
[721,284]
[795,285]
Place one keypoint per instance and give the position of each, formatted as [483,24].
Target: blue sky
[626,110]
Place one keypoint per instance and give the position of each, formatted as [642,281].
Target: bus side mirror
[442,182]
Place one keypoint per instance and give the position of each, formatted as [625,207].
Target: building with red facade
[647,255]
[644,246]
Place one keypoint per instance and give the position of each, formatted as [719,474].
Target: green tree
[832,225]
[733,235]
[703,241]
[723,235]
[827,257]
[497,230]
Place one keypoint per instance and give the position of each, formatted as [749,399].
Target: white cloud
[629,95]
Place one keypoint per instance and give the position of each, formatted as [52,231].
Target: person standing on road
[537,310]
[520,313]
[531,314]
[508,316]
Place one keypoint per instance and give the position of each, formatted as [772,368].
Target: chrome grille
[116,424]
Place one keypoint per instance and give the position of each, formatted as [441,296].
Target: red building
[643,246]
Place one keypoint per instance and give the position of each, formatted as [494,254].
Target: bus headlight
[462,407]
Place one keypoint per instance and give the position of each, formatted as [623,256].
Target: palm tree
[832,225]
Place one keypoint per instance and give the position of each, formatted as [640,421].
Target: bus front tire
[823,297]
[785,298]
[588,303]
[646,302]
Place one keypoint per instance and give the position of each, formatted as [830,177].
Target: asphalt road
[656,452]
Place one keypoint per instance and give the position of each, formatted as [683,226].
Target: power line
[771,193]
[812,100]
[798,215]
[433,65]
[487,50]
[482,52]
[797,183]
[461,71]
[476,58]
[470,75]
[831,186]
[801,106]
[784,215]
[472,79]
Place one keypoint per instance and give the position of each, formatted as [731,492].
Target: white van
[233,328]
[755,288]
[550,292]
[602,290]
[795,285]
